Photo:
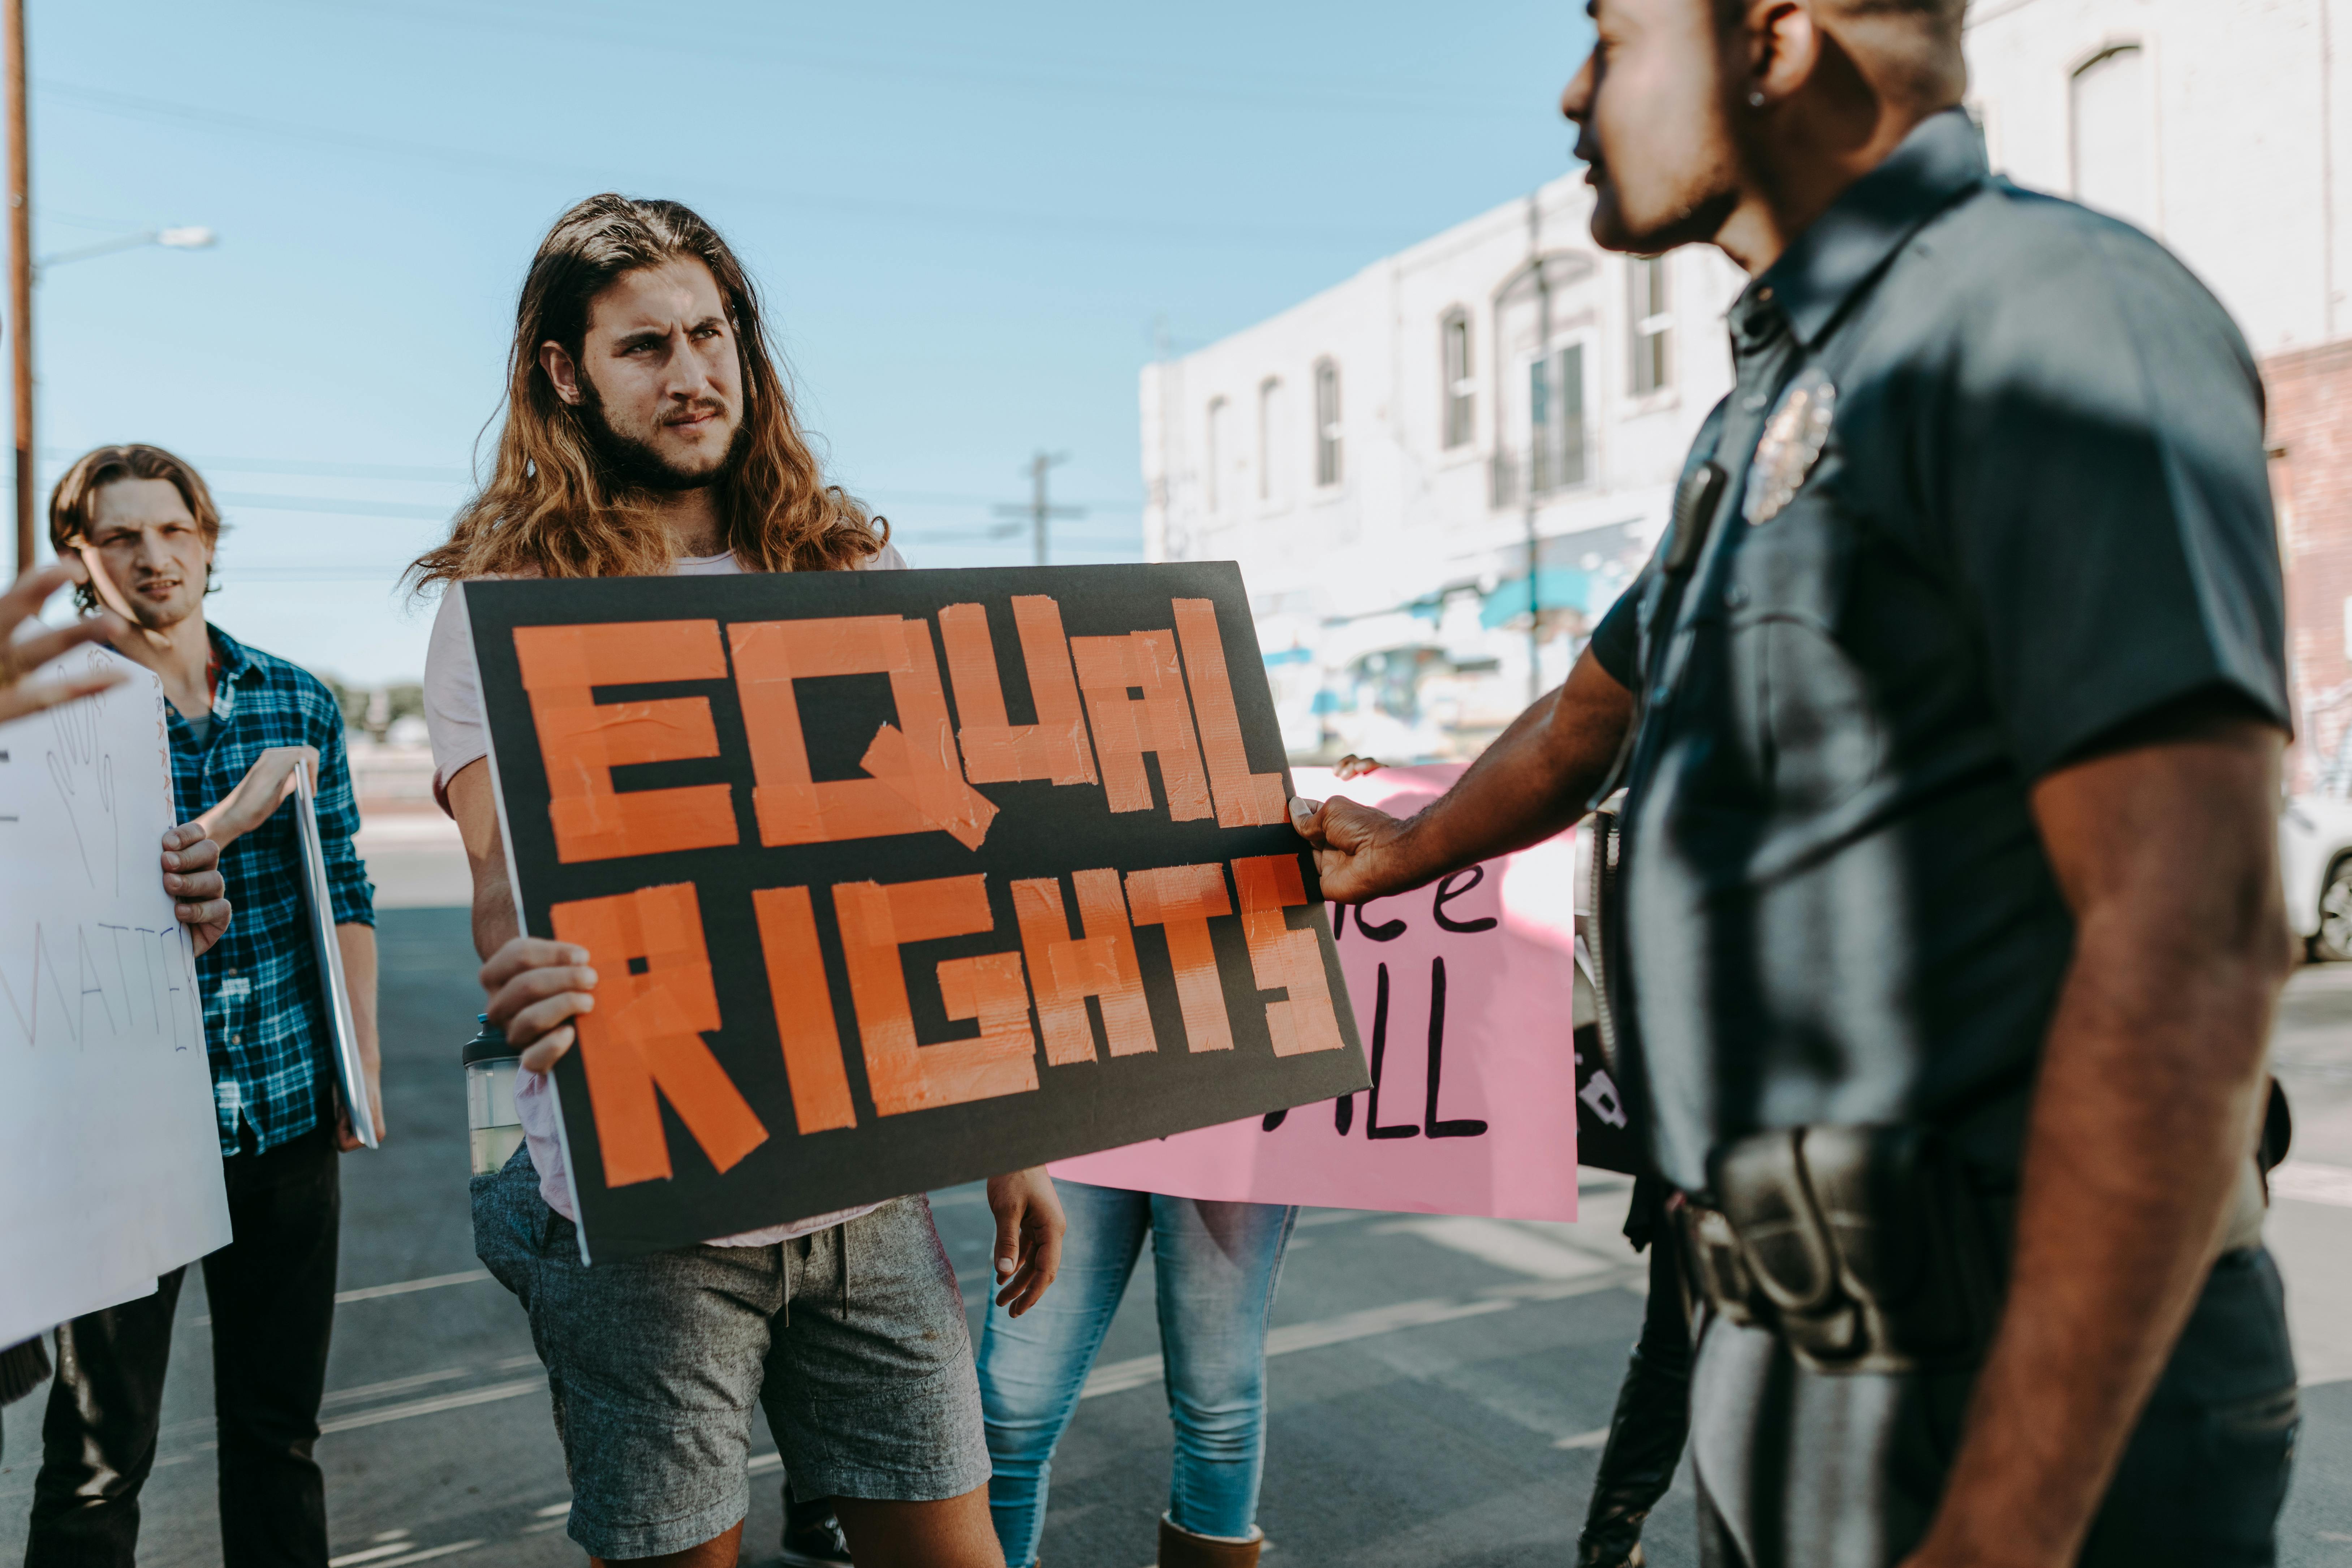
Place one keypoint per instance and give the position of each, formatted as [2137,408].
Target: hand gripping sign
[898,879]
[1469,988]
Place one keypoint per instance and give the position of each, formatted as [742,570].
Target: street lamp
[190,236]
[24,275]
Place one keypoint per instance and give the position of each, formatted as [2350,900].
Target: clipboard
[348,1070]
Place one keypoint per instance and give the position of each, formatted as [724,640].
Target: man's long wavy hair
[551,508]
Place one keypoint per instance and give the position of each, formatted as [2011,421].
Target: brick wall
[2311,476]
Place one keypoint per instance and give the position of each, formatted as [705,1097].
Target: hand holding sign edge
[535,988]
[1356,849]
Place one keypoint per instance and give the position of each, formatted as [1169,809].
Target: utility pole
[1040,511]
[1537,435]
[20,273]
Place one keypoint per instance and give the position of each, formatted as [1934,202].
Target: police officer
[1948,933]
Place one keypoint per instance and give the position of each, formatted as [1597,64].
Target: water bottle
[496,1127]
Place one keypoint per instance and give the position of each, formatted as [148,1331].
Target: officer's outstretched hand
[1354,853]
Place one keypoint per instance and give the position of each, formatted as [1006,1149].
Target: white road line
[768,1461]
[1374,1321]
[403,1287]
[429,1554]
[553,1510]
[1596,1438]
[398,1287]
[434,1405]
[1502,1244]
[372,1555]
[2307,1180]
[1121,1375]
[393,1386]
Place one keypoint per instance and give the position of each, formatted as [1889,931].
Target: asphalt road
[1438,1388]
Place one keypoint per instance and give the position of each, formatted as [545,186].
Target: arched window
[1459,392]
[1555,418]
[1650,310]
[2114,166]
[1327,423]
[1269,439]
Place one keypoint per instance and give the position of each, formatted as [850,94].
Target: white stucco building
[1379,456]
[2223,128]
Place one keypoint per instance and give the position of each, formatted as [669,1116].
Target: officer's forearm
[1531,783]
[2143,1115]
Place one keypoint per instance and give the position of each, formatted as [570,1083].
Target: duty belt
[1867,1248]
[1862,1248]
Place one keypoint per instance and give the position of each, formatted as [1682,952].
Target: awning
[1557,588]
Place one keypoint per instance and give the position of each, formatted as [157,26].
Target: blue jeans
[1217,1267]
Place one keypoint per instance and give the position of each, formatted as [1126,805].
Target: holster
[1862,1248]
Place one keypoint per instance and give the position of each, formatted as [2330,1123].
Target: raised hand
[19,658]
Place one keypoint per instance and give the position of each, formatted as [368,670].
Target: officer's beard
[626,463]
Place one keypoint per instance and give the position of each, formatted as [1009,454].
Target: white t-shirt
[460,736]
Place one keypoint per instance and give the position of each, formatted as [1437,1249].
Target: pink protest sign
[1464,992]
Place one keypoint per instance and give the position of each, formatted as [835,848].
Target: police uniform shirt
[2011,493]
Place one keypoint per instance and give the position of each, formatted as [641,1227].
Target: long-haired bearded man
[649,431]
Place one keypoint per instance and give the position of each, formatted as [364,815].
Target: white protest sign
[110,1162]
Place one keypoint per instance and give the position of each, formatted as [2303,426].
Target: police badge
[1792,444]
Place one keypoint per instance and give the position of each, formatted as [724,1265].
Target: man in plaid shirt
[144,529]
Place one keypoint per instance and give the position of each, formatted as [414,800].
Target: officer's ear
[1782,43]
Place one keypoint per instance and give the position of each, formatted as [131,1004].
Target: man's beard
[629,464]
[142,612]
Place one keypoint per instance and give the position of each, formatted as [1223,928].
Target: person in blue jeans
[1216,1264]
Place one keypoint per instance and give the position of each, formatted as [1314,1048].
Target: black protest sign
[898,879]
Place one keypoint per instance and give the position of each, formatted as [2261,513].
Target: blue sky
[967,221]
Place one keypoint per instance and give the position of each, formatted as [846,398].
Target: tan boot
[1182,1549]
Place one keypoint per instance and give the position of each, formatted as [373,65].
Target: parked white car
[2315,864]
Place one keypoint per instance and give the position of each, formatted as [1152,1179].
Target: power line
[419,473]
[1122,81]
[415,472]
[1039,512]
[132,107]
[334,506]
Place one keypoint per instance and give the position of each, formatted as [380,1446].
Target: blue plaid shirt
[265,1025]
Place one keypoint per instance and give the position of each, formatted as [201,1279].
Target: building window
[1649,307]
[1460,391]
[1214,453]
[1556,419]
[1327,424]
[1269,439]
[2113,163]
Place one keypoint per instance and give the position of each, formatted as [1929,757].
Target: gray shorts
[654,1364]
